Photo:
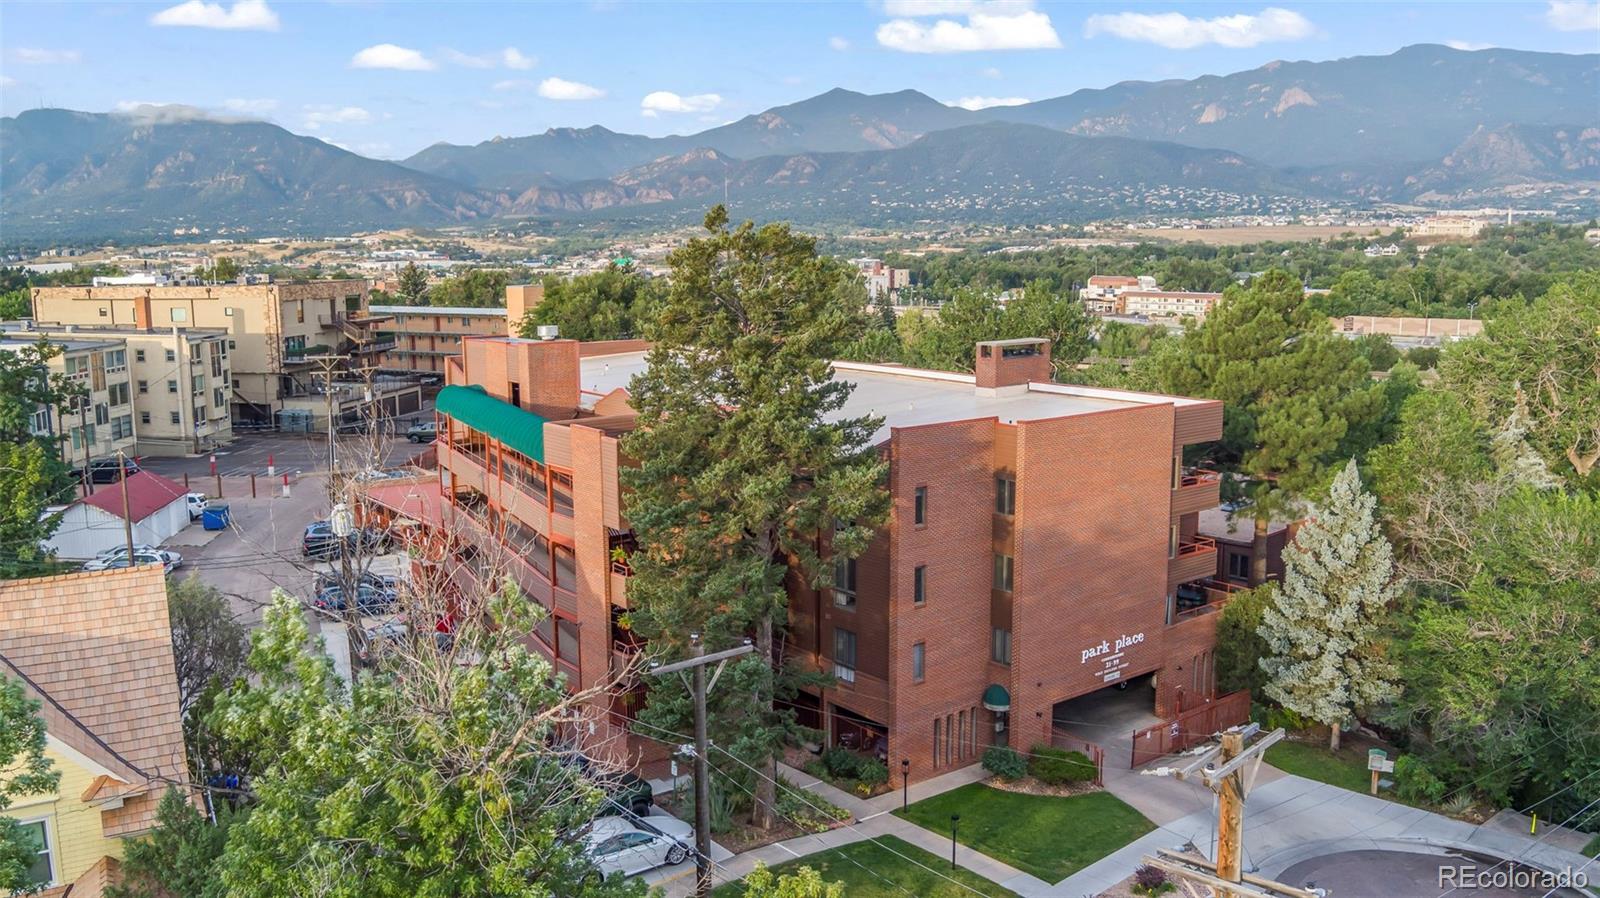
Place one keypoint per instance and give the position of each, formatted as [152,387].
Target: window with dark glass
[1005,495]
[1000,646]
[1002,572]
[844,654]
[919,584]
[918,659]
[920,513]
[567,640]
[566,568]
[844,577]
[561,493]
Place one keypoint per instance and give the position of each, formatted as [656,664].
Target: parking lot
[289,453]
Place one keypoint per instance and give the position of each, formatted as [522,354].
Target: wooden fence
[1190,727]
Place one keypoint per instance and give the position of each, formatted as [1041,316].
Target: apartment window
[1002,572]
[561,493]
[567,640]
[566,568]
[174,418]
[920,514]
[180,314]
[516,394]
[1238,566]
[300,312]
[919,584]
[41,856]
[844,654]
[122,427]
[844,577]
[231,344]
[82,436]
[119,393]
[1000,646]
[117,358]
[172,386]
[102,311]
[1005,495]
[102,413]
[144,386]
[217,398]
[198,383]
[936,721]
[918,659]
[236,383]
[76,365]
[172,356]
[144,417]
[1172,541]
[228,312]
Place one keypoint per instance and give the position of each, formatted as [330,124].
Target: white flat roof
[909,397]
[440,310]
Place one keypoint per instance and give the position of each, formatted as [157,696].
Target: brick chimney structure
[1009,365]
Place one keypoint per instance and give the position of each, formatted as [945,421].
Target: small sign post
[1378,762]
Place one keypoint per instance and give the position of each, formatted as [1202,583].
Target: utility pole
[1222,768]
[83,433]
[127,516]
[696,663]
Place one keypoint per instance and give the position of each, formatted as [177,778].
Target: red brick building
[1039,536]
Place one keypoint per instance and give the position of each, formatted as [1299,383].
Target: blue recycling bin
[216,516]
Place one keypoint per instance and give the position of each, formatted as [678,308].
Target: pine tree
[1324,657]
[1514,457]
[413,285]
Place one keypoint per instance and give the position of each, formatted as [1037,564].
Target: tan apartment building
[101,422]
[275,333]
[424,336]
[182,381]
[1168,304]
[1043,546]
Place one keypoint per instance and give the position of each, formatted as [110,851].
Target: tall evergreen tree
[743,462]
[1297,398]
[413,285]
[1324,656]
[1514,457]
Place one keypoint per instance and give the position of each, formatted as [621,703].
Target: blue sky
[388,78]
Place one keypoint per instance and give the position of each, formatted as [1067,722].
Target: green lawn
[1347,769]
[863,868]
[1049,837]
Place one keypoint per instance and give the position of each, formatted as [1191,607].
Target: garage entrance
[1109,716]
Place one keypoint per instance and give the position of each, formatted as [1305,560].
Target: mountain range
[1427,123]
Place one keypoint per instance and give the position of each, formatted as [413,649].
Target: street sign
[1378,761]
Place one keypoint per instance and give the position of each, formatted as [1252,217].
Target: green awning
[996,698]
[472,406]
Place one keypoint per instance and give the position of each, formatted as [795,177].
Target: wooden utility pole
[127,516]
[1222,769]
[696,663]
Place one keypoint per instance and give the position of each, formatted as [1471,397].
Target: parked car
[108,470]
[119,562]
[369,600]
[197,505]
[422,432]
[318,541]
[626,792]
[167,556]
[630,847]
[328,579]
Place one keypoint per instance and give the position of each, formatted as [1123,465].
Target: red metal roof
[147,494]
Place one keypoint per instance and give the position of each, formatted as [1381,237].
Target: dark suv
[626,792]
[319,541]
[109,470]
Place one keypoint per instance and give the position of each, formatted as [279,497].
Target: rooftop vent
[548,332]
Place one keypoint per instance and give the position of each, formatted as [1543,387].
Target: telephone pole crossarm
[1203,872]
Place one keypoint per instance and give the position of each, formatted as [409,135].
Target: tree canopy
[603,305]
[24,771]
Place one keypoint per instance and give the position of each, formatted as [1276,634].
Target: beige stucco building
[99,423]
[424,336]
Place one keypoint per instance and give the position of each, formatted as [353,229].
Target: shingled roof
[95,649]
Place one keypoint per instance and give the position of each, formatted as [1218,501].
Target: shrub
[1058,767]
[1148,880]
[841,763]
[816,768]
[810,811]
[1005,762]
[872,773]
[1413,781]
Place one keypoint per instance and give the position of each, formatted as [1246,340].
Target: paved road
[290,454]
[1399,874]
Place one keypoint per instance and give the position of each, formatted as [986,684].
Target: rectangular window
[920,516]
[144,417]
[1172,542]
[144,386]
[1005,495]
[231,345]
[172,386]
[566,568]
[81,435]
[172,356]
[218,399]
[180,314]
[919,584]
[117,358]
[1238,566]
[102,413]
[173,417]
[300,312]
[40,859]
[918,659]
[561,493]
[936,742]
[1000,646]
[122,427]
[119,393]
[1002,572]
[567,640]
[844,654]
[198,382]
[844,578]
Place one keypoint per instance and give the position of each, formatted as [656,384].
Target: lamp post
[955,821]
[905,783]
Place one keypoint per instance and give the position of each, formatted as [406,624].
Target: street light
[905,783]
[955,820]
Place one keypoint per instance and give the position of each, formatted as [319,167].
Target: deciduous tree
[802,883]
[743,462]
[1325,659]
[24,771]
[604,305]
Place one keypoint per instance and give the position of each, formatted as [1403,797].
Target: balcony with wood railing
[1197,491]
[1205,596]
[1195,558]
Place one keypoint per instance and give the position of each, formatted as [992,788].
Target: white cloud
[513,59]
[515,84]
[1467,45]
[661,101]
[994,25]
[467,59]
[40,56]
[257,107]
[317,116]
[562,89]
[990,72]
[838,43]
[976,103]
[1177,31]
[245,15]
[389,56]
[1573,15]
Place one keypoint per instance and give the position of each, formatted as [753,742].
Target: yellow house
[95,650]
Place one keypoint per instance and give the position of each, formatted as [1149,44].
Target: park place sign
[1111,655]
